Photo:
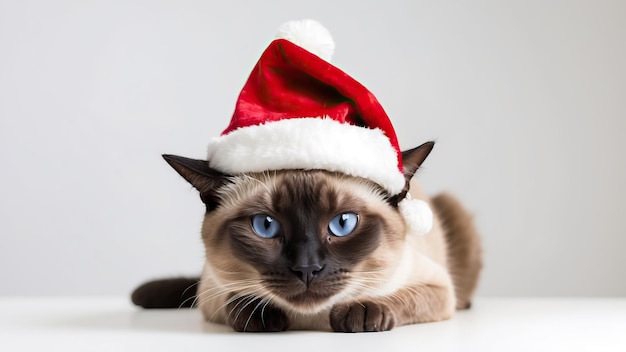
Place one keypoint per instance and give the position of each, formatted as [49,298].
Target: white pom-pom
[417,214]
[310,35]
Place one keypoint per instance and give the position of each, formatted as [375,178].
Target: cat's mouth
[305,295]
[309,297]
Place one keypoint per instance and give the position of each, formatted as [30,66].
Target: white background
[526,100]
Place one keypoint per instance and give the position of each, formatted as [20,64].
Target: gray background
[526,100]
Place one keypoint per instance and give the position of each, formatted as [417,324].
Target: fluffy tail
[464,249]
[166,293]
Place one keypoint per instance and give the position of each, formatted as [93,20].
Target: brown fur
[304,203]
[377,277]
[362,294]
[464,249]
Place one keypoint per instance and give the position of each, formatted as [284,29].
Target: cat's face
[305,239]
[302,239]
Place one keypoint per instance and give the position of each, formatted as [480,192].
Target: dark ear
[412,159]
[197,172]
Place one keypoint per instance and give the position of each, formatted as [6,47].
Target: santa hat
[298,111]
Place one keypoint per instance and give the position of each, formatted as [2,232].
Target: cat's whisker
[359,285]
[246,300]
[382,270]
[240,300]
[369,289]
[231,272]
[190,286]
[245,326]
[236,283]
[261,300]
[417,297]
[373,290]
[263,309]
[219,309]
[219,289]
[236,296]
[226,290]
[192,297]
[250,298]
[213,296]
[222,290]
[368,279]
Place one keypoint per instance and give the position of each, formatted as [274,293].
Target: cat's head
[305,239]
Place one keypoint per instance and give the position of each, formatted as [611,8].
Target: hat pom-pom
[417,214]
[310,35]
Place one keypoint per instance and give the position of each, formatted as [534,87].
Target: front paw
[361,317]
[251,314]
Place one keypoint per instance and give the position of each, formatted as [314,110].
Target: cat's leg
[409,305]
[253,314]
[420,291]
[245,313]
[242,312]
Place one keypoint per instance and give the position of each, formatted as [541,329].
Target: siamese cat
[312,249]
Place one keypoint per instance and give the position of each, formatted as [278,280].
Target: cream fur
[415,268]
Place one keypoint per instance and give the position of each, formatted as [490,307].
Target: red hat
[298,111]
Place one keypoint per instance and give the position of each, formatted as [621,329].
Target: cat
[320,250]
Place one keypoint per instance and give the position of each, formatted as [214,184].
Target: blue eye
[343,224]
[265,226]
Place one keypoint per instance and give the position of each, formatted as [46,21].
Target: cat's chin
[306,302]
[307,298]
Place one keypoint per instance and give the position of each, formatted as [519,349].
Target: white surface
[525,98]
[112,324]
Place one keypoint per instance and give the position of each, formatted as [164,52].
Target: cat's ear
[202,177]
[412,159]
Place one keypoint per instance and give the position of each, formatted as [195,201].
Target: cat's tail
[166,293]
[464,248]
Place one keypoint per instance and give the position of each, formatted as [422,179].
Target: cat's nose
[307,273]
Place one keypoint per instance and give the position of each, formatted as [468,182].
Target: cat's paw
[361,317]
[253,315]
